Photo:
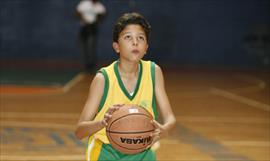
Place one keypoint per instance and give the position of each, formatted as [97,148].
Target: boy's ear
[116,47]
[146,48]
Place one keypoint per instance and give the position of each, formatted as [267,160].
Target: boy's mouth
[135,51]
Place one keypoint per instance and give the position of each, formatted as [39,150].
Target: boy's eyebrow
[128,32]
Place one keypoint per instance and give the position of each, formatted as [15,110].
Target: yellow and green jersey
[116,93]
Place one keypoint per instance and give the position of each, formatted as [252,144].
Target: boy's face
[132,43]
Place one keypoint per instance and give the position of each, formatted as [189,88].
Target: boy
[129,80]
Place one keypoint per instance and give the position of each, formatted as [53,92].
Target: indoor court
[222,115]
[214,54]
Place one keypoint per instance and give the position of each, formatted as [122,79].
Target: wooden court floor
[221,116]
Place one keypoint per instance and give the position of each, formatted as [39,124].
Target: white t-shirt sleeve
[100,9]
[82,6]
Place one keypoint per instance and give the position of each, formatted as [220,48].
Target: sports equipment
[129,130]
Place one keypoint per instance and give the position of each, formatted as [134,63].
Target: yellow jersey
[116,93]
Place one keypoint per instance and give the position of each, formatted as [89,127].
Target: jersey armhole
[153,76]
[106,88]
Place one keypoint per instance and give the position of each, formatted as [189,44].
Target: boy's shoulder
[105,70]
[150,63]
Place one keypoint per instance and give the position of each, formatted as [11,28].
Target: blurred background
[186,32]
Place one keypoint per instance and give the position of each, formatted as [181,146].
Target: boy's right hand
[109,113]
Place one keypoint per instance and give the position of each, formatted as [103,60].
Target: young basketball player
[129,80]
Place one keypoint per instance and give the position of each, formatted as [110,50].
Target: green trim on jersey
[121,84]
[153,75]
[106,88]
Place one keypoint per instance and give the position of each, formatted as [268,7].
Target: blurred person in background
[90,13]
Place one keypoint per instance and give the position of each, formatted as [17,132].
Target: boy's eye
[127,37]
[141,38]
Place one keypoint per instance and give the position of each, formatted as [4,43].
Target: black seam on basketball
[137,132]
[125,116]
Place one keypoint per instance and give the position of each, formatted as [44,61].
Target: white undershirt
[131,93]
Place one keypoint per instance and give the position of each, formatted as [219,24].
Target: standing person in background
[90,13]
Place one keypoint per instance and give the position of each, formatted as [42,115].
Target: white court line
[213,119]
[72,82]
[252,80]
[39,115]
[40,157]
[247,143]
[59,89]
[241,99]
[82,157]
[37,125]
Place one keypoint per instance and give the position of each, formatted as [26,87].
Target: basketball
[129,129]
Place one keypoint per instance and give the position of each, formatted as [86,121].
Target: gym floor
[222,115]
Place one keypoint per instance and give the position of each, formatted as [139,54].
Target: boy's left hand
[159,133]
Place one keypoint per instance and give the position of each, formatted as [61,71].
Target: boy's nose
[135,41]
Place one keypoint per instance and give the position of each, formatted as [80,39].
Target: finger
[104,122]
[119,105]
[149,146]
[151,142]
[155,146]
[116,108]
[109,110]
[154,136]
[113,108]
[154,140]
[157,133]
[107,116]
[156,124]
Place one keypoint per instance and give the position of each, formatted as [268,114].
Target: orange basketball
[129,129]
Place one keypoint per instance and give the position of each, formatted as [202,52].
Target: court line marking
[209,146]
[39,115]
[44,157]
[37,125]
[214,119]
[227,143]
[77,157]
[164,141]
[260,84]
[247,143]
[31,157]
[56,89]
[240,99]
[179,118]
[72,82]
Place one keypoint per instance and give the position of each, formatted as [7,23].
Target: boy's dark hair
[127,19]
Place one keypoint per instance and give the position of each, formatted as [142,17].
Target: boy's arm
[164,105]
[86,126]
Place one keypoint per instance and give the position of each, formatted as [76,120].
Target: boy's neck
[128,69]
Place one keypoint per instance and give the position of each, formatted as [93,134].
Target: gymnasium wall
[184,32]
